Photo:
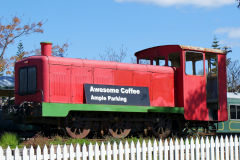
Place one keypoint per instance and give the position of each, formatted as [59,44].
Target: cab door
[211,63]
[195,104]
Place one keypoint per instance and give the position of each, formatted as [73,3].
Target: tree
[215,43]
[14,30]
[60,50]
[19,56]
[233,76]
[238,3]
[227,50]
[10,32]
[233,68]
[112,55]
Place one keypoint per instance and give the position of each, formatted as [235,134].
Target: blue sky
[90,27]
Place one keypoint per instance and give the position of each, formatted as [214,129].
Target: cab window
[174,60]
[27,80]
[234,112]
[160,61]
[194,63]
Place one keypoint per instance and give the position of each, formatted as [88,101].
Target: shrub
[9,139]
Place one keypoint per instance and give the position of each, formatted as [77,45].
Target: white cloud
[230,43]
[198,3]
[230,32]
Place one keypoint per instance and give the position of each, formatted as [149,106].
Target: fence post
[45,152]
[192,145]
[155,150]
[144,150]
[126,150]
[65,153]
[231,148]
[58,153]
[71,152]
[78,152]
[109,151]
[187,149]
[132,149]
[239,147]
[38,153]
[51,155]
[207,146]
[171,147]
[217,147]
[1,153]
[90,151]
[182,147]
[212,147]
[115,151]
[31,154]
[138,150]
[25,156]
[160,149]
[16,154]
[197,148]
[8,153]
[221,148]
[103,151]
[96,151]
[166,149]
[202,148]
[226,148]
[84,152]
[120,151]
[176,148]
[236,147]
[149,149]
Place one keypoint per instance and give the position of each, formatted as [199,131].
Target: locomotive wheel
[119,129]
[161,127]
[76,128]
[119,133]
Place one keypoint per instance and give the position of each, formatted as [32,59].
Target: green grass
[9,139]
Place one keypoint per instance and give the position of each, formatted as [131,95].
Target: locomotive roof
[98,64]
[174,47]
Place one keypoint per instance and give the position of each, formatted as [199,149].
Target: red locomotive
[183,87]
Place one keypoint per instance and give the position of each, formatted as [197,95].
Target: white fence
[193,149]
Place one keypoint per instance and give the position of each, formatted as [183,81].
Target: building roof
[6,82]
[233,95]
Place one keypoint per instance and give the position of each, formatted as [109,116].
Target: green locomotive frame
[62,109]
[232,125]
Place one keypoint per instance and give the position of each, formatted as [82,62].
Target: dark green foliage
[215,44]
[20,48]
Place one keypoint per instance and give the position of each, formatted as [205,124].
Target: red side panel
[60,83]
[79,76]
[222,80]
[103,76]
[195,107]
[162,89]
[123,77]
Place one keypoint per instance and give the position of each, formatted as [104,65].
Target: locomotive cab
[200,79]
